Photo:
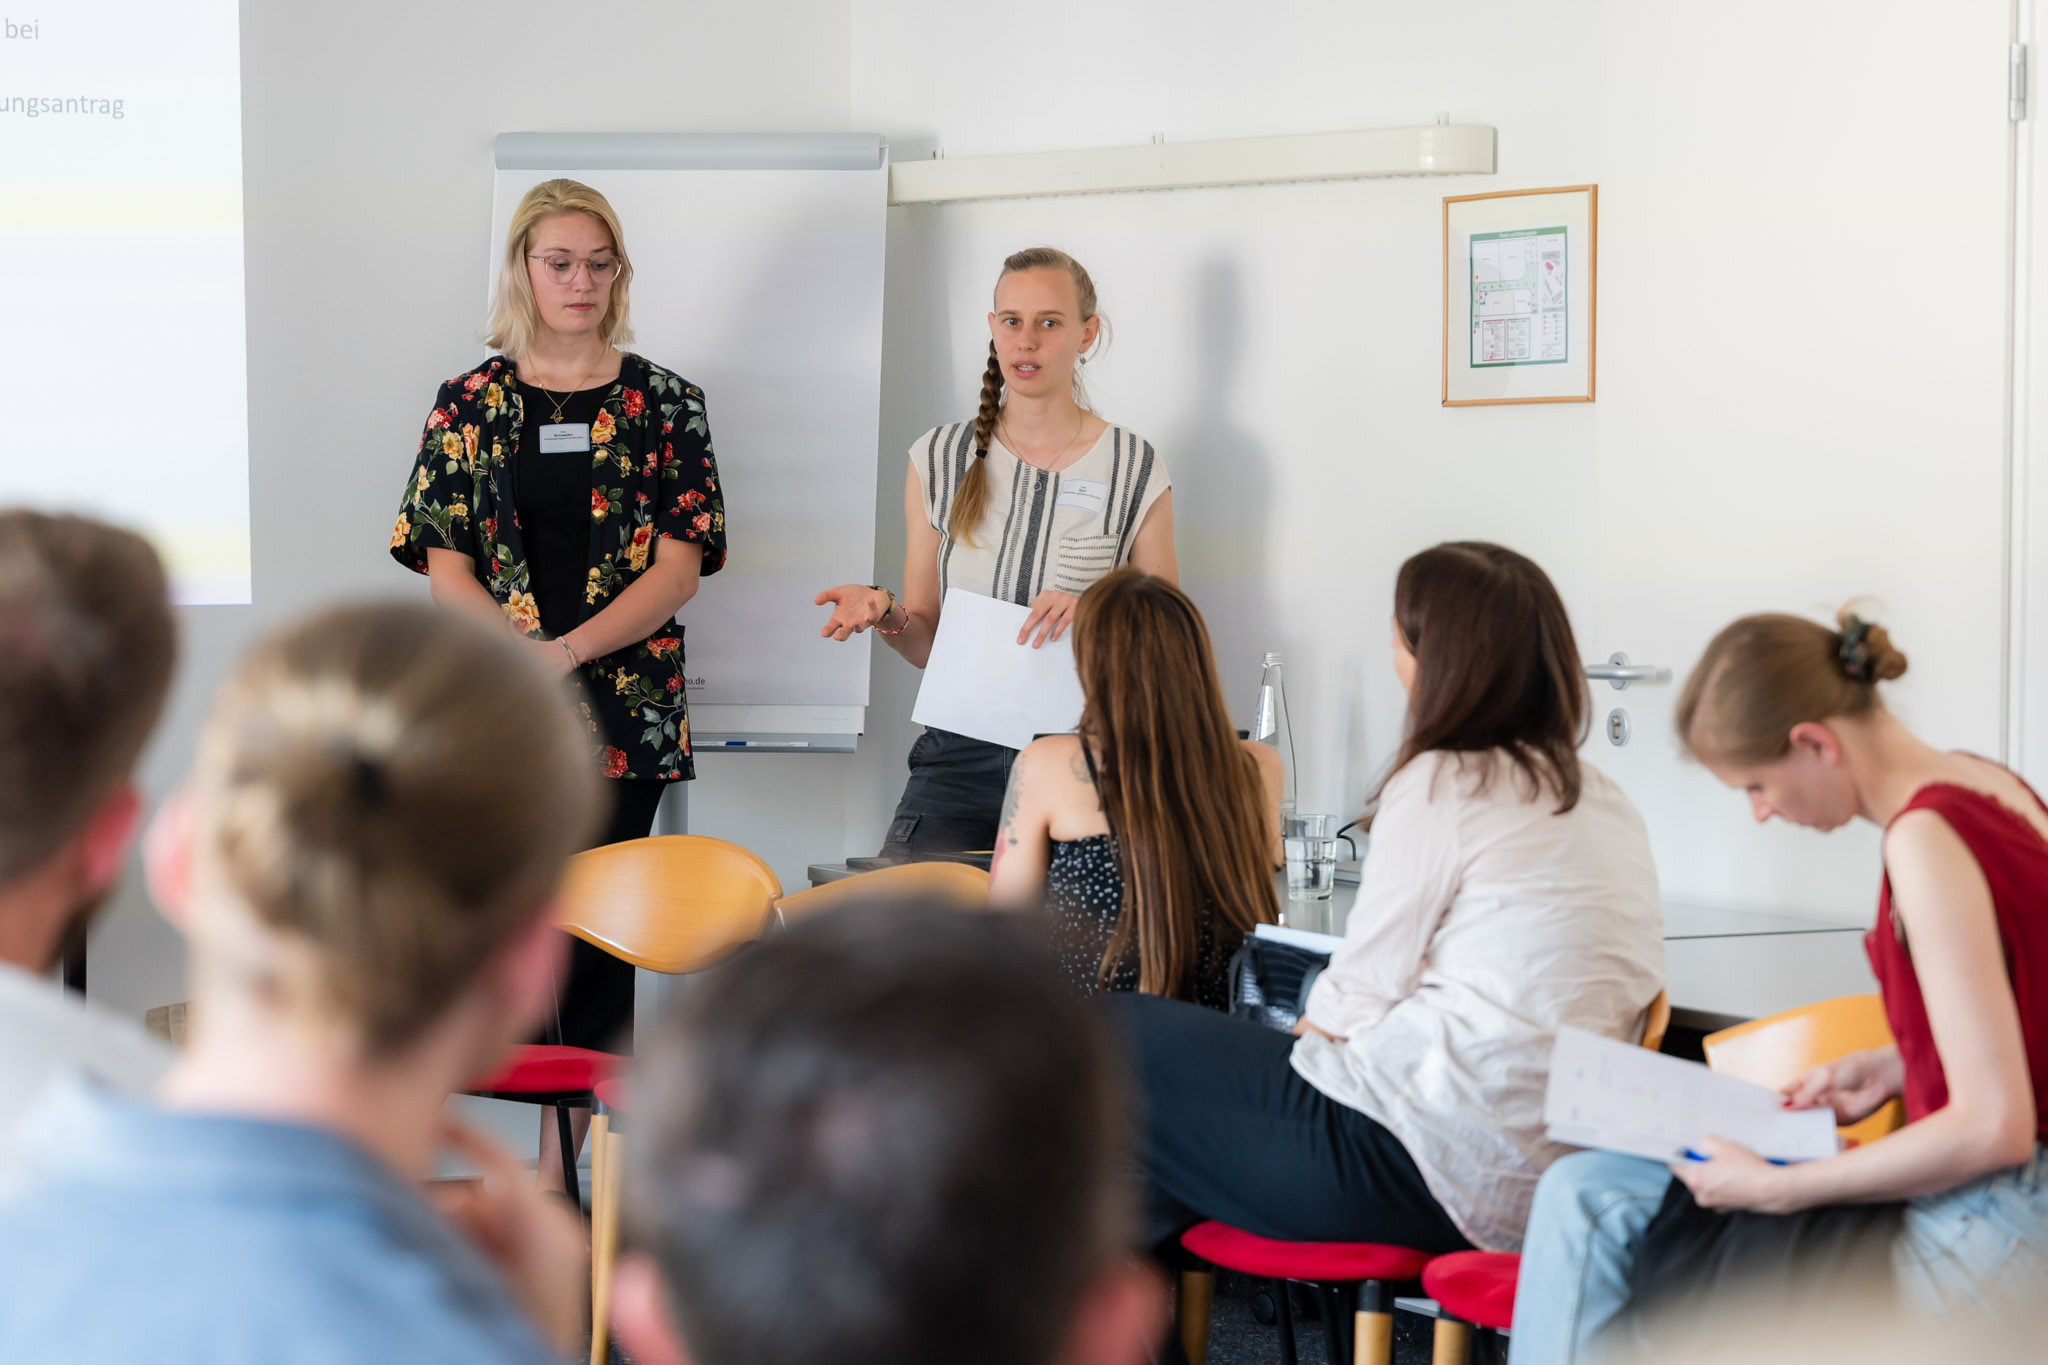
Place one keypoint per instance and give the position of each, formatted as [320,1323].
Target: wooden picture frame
[1521,289]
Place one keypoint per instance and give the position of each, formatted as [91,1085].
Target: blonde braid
[971,498]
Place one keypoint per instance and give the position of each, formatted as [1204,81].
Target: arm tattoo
[1012,798]
[1079,767]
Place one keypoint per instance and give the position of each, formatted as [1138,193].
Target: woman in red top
[1787,711]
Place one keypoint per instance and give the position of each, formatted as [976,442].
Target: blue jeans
[1578,1254]
[1979,1248]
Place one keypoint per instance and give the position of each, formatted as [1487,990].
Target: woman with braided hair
[1955,1219]
[1030,502]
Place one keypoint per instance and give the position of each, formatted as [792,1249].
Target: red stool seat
[1476,1286]
[546,1069]
[612,1094]
[1328,1262]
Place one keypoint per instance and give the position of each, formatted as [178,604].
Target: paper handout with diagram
[1625,1098]
[978,681]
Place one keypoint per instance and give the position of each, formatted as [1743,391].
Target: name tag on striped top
[1088,495]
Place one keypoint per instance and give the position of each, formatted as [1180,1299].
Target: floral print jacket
[653,477]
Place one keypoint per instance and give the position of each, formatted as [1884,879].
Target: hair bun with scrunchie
[1859,660]
[1865,651]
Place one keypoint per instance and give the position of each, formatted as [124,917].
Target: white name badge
[564,438]
[1089,495]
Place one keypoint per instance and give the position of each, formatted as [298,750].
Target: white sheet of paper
[1624,1098]
[979,681]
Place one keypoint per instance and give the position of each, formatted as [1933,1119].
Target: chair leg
[1453,1342]
[1197,1294]
[1285,1321]
[1334,1301]
[1372,1331]
[604,1238]
[601,1215]
[571,1185]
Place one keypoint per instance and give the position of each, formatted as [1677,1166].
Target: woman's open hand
[855,607]
[1051,613]
[1853,1086]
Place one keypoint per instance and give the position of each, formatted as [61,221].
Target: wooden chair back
[1778,1050]
[1658,1022]
[672,903]
[955,884]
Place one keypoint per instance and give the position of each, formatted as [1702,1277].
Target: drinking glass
[1310,844]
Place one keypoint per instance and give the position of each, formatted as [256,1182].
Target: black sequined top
[1084,894]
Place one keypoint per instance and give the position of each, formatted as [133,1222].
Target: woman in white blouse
[1509,890]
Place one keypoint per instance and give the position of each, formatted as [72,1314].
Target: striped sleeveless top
[1040,530]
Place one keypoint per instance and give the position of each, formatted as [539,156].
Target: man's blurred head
[889,1136]
[87,647]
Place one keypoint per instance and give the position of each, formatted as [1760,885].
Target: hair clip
[1857,662]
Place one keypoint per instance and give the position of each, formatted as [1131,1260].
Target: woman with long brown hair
[1029,502]
[1508,891]
[1150,835]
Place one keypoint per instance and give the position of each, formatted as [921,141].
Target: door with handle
[1799,433]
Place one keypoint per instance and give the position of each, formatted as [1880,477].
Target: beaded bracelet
[879,629]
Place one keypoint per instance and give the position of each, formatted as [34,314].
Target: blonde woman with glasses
[565,490]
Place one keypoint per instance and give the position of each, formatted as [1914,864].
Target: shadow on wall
[1223,493]
[921,354]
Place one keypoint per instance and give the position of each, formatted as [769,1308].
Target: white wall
[1279,344]
[1801,324]
[367,155]
[1802,389]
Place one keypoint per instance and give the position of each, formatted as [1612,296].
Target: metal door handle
[1619,672]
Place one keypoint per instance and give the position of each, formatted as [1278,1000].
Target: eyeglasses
[562,269]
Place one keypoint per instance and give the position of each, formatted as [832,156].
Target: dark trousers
[595,1007]
[953,802]
[1230,1132]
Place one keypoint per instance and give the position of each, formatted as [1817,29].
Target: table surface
[1682,919]
[1721,965]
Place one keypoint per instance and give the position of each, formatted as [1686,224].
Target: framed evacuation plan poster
[1520,275]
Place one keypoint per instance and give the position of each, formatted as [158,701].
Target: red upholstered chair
[674,903]
[1354,1280]
[1474,1289]
[1334,1268]
[1477,1288]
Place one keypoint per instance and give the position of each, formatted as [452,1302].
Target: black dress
[551,495]
[1084,897]
[555,538]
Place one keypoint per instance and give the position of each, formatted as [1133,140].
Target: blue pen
[1691,1155]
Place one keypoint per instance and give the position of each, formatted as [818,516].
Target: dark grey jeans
[953,802]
